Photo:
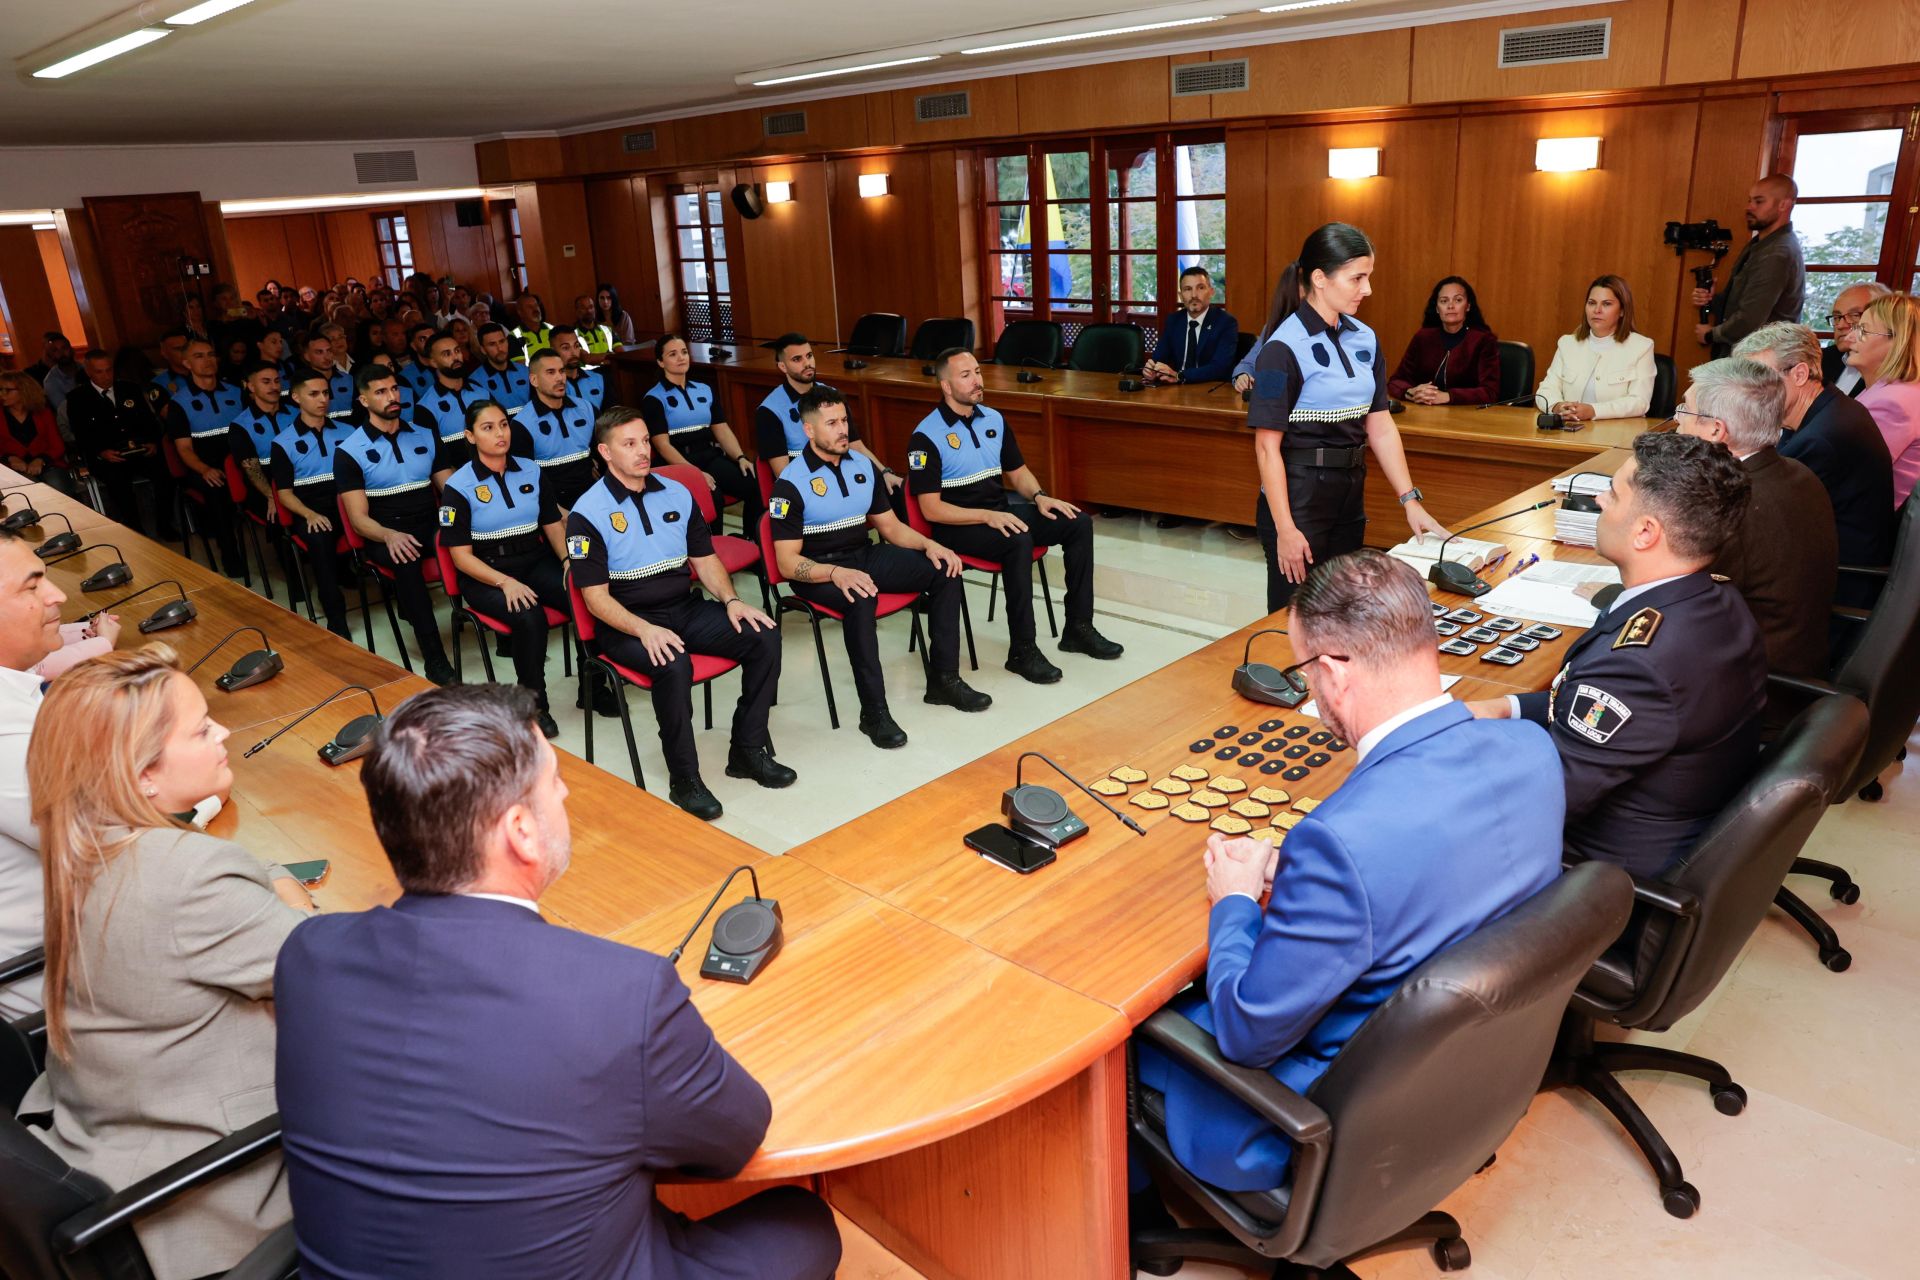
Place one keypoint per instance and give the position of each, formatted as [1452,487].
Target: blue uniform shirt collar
[621,493]
[1310,321]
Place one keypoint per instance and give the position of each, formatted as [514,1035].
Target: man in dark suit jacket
[117,432]
[1848,304]
[466,1090]
[1197,343]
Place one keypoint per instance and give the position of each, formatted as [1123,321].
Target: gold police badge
[953,439]
[819,486]
[619,521]
[483,492]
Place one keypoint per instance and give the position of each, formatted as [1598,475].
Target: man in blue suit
[1446,823]
[468,1091]
[1196,342]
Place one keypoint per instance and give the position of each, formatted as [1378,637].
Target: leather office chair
[1030,343]
[1243,344]
[1417,1101]
[936,335]
[1516,370]
[878,333]
[1689,927]
[1109,348]
[1661,406]
[23,1042]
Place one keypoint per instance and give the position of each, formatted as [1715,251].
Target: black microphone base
[1451,575]
[253,668]
[352,741]
[1041,814]
[746,937]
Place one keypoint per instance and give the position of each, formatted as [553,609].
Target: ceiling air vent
[1192,79]
[373,167]
[942,106]
[784,124]
[1562,42]
[636,142]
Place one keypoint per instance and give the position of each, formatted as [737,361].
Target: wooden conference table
[943,1040]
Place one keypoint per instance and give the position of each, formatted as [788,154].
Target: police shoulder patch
[778,508]
[446,517]
[1639,629]
[917,460]
[577,546]
[1596,715]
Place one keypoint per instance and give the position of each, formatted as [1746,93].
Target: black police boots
[758,764]
[877,723]
[692,795]
[1080,637]
[1031,665]
[949,690]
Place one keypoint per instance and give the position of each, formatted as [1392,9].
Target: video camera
[1707,237]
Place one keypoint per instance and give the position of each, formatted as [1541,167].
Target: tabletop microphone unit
[1588,502]
[1039,820]
[25,518]
[116,574]
[1027,367]
[1525,397]
[929,370]
[349,742]
[1262,682]
[1132,384]
[1451,575]
[718,353]
[745,938]
[173,613]
[60,543]
[249,669]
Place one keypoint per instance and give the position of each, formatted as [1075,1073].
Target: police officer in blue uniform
[689,428]
[317,350]
[442,407]
[584,384]
[264,414]
[822,507]
[1657,711]
[630,540]
[555,430]
[778,433]
[196,421]
[173,375]
[302,464]
[385,473]
[960,461]
[1319,403]
[416,371]
[497,377]
[507,544]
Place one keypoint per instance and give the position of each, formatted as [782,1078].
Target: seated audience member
[30,440]
[1886,352]
[116,431]
[1833,437]
[533,334]
[302,466]
[264,413]
[1784,555]
[29,631]
[597,343]
[1656,710]
[555,428]
[1848,306]
[319,353]
[196,421]
[688,425]
[56,371]
[1454,358]
[534,1151]
[778,433]
[1197,341]
[608,311]
[161,942]
[1368,886]
[495,375]
[583,383]
[173,352]
[1603,369]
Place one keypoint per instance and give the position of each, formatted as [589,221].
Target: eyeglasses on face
[1835,317]
[1296,676]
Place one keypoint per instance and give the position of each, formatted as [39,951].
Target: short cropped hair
[1749,397]
[252,367]
[1366,605]
[817,399]
[302,374]
[371,372]
[442,770]
[1196,271]
[544,353]
[491,326]
[1787,344]
[941,361]
[780,344]
[1694,488]
[612,417]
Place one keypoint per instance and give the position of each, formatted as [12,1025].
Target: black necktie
[1193,340]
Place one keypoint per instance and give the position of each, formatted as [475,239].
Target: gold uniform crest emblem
[819,486]
[483,492]
[619,521]
[953,439]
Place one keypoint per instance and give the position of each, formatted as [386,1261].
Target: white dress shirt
[22,901]
[1374,736]
[506,897]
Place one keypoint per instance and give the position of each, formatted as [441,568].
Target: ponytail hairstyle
[1326,250]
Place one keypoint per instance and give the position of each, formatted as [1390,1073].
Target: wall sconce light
[872,184]
[1353,162]
[1566,155]
[779,192]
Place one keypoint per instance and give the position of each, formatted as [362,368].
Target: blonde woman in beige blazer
[1603,369]
[161,942]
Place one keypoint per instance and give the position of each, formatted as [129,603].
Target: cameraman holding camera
[1769,278]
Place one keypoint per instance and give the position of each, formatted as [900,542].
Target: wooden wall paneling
[880,124]
[890,252]
[553,216]
[1198,107]
[604,150]
[1898,92]
[1794,37]
[1137,91]
[503,160]
[1729,153]
[260,250]
[723,135]
[624,249]
[1245,290]
[307,246]
[352,249]
[1530,240]
[833,124]
[785,256]
[1459,61]
[24,293]
[955,179]
[739,275]
[666,294]
[219,254]
[1701,40]
[471,259]
[993,101]
[82,253]
[428,237]
[141,240]
[1365,70]
[66,301]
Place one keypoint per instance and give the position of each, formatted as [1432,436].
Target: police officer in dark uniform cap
[1657,711]
[584,384]
[196,421]
[555,430]
[497,377]
[689,427]
[302,467]
[956,461]
[821,509]
[442,407]
[631,539]
[508,545]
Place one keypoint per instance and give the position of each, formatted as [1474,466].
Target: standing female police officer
[1319,402]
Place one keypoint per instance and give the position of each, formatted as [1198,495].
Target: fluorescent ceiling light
[1566,155]
[201,12]
[1300,4]
[1094,35]
[100,53]
[299,204]
[25,217]
[844,71]
[44,226]
[1353,162]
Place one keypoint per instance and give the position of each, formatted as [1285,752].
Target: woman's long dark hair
[1326,250]
[612,317]
[1431,319]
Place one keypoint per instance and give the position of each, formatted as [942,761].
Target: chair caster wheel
[1682,1201]
[1730,1101]
[1452,1254]
[1872,792]
[1838,960]
[1846,894]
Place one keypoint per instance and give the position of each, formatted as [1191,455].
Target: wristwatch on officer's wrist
[1412,495]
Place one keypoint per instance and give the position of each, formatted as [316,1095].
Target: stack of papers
[1549,592]
[1576,528]
[1422,551]
[1586,483]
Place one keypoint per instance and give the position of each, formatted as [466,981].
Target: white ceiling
[296,70]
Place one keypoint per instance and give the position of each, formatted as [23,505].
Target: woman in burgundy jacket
[1454,358]
[30,440]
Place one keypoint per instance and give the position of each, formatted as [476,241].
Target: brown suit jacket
[1784,560]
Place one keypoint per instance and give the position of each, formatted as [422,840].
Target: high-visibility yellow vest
[533,341]
[597,339]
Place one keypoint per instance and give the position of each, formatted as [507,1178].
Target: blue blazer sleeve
[704,1114]
[1167,350]
[1217,357]
[1272,975]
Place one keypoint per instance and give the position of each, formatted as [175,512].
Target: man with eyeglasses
[1848,306]
[1769,278]
[1368,886]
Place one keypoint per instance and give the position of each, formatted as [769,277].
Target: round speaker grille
[743,928]
[1042,805]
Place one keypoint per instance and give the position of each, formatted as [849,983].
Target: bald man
[1848,306]
[1769,278]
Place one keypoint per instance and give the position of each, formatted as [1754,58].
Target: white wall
[57,177]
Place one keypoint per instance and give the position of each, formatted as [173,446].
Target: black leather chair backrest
[1516,369]
[1030,342]
[936,335]
[1109,348]
[1243,344]
[1883,667]
[1739,863]
[1661,406]
[1438,1076]
[20,1063]
[879,333]
[38,1191]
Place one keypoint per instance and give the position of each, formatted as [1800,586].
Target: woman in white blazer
[1603,369]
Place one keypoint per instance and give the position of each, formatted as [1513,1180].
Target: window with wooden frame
[700,262]
[395,248]
[1859,195]
[1122,217]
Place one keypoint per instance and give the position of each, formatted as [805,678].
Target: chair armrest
[1811,686]
[24,965]
[121,1209]
[1279,1106]
[1867,570]
[1845,613]
[1683,904]
[275,1258]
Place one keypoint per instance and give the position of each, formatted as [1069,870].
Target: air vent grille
[784,124]
[1192,79]
[1562,42]
[636,142]
[373,167]
[943,106]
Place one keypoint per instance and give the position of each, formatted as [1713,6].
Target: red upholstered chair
[298,538]
[483,623]
[735,552]
[364,565]
[618,676]
[991,568]
[188,496]
[256,531]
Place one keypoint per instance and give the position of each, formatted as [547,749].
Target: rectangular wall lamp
[779,192]
[1353,162]
[872,184]
[1566,155]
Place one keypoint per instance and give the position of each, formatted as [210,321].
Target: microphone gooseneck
[267,741]
[1440,557]
[115,604]
[97,546]
[1020,764]
[1247,653]
[681,946]
[264,644]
